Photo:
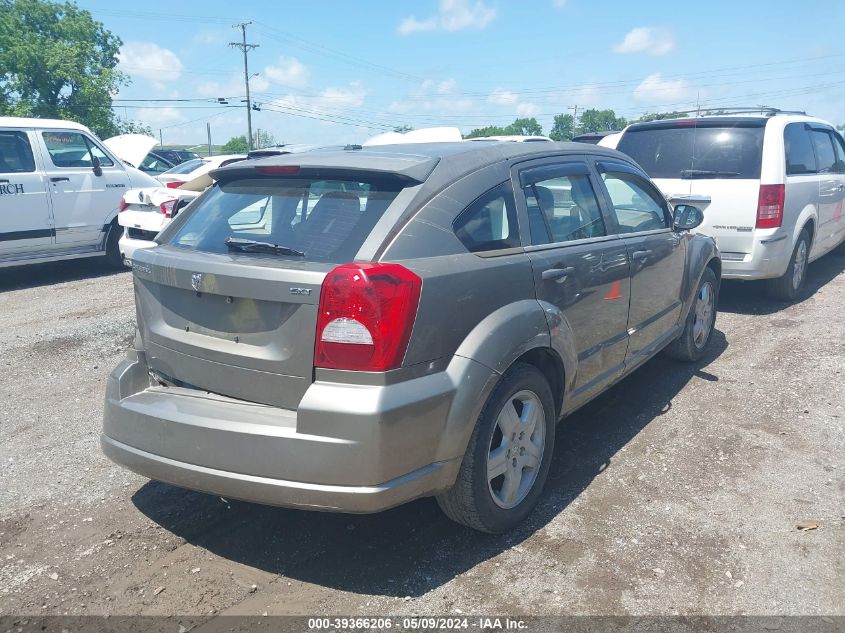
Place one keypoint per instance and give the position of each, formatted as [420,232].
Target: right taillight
[770,206]
[167,207]
[123,205]
[366,315]
[174,184]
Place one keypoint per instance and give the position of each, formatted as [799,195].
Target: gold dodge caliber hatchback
[351,329]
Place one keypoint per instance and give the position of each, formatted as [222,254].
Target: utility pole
[208,130]
[160,141]
[574,119]
[245,48]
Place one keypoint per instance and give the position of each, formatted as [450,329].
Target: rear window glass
[186,167]
[696,151]
[327,220]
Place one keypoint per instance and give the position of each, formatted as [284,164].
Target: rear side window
[839,148]
[328,220]
[800,158]
[72,149]
[489,223]
[702,150]
[15,153]
[823,144]
[563,209]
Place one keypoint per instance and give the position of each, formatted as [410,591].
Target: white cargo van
[60,190]
[771,185]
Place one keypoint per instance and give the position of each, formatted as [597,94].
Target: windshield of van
[311,219]
[696,150]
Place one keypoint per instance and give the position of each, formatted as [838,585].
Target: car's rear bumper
[769,258]
[128,246]
[377,445]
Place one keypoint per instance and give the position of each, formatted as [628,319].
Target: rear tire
[113,257]
[692,344]
[501,478]
[789,286]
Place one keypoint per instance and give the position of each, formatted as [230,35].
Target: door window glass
[489,223]
[839,149]
[563,209]
[800,158]
[635,206]
[72,149]
[15,153]
[824,151]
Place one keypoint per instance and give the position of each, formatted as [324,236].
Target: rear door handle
[557,273]
[637,255]
[60,179]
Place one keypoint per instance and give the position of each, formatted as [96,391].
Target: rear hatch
[145,212]
[240,319]
[712,163]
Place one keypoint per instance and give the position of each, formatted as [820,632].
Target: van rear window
[685,150]
[311,219]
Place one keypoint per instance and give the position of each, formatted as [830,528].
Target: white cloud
[287,71]
[453,15]
[500,96]
[526,109]
[559,4]
[440,97]
[159,117]
[647,39]
[655,89]
[150,61]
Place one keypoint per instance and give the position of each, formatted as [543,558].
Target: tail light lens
[167,208]
[770,206]
[366,315]
[174,184]
[123,205]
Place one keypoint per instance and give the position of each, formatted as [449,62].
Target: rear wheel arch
[550,364]
[810,227]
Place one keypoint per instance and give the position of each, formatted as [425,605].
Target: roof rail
[766,110]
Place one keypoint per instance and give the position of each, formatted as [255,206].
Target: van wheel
[507,461]
[789,286]
[692,344]
[113,256]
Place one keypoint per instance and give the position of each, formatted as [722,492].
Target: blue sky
[338,72]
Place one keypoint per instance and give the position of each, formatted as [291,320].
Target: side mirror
[687,217]
[95,163]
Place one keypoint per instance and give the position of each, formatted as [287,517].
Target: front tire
[692,344]
[507,460]
[789,286]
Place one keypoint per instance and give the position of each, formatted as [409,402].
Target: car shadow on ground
[35,275]
[749,297]
[412,549]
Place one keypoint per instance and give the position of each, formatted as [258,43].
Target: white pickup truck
[60,190]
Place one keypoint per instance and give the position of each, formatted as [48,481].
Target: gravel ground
[678,491]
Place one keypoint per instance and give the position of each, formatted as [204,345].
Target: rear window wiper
[704,173]
[252,246]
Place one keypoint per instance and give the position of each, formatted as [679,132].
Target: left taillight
[167,208]
[366,315]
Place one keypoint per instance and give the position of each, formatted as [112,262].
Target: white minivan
[771,185]
[60,190]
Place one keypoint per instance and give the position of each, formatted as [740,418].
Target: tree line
[565,127]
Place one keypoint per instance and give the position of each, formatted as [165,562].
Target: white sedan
[145,212]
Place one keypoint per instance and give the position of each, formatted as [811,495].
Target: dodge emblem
[196,281]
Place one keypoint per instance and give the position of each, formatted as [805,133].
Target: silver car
[351,329]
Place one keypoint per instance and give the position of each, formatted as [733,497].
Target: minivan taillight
[770,206]
[365,317]
[122,207]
